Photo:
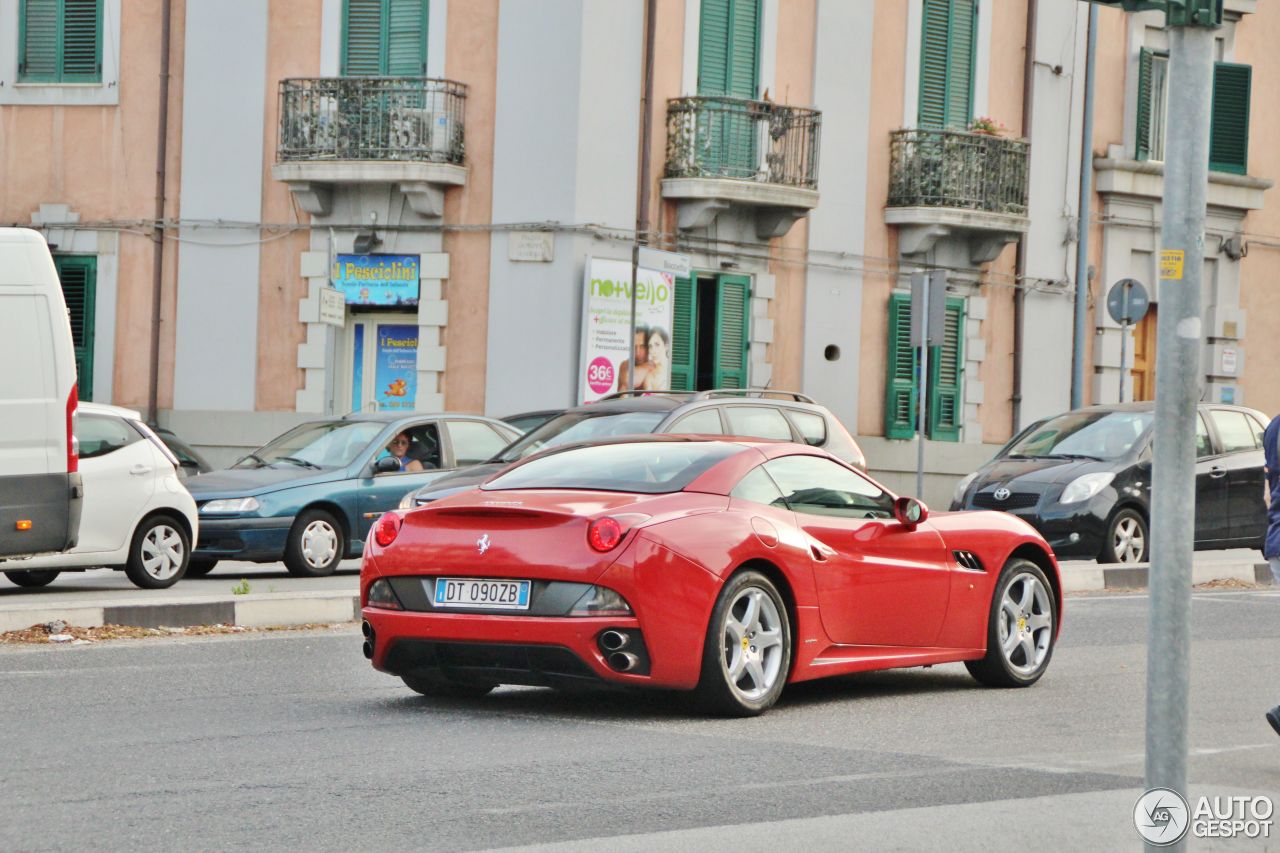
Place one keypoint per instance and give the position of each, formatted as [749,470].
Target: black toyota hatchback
[1083,479]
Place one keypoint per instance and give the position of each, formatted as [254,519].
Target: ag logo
[483,543]
[1002,494]
[1161,816]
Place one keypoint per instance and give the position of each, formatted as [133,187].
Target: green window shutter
[81,41]
[729,48]
[407,38]
[684,345]
[744,48]
[39,41]
[960,59]
[732,308]
[79,275]
[384,38]
[946,366]
[363,53]
[713,48]
[60,41]
[947,48]
[1142,132]
[900,390]
[1229,125]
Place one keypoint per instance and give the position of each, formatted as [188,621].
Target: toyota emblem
[1002,494]
[483,543]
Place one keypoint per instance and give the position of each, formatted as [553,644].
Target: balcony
[954,184]
[732,152]
[407,131]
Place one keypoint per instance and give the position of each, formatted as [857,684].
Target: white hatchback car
[136,515]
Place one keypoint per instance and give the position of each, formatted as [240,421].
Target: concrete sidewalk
[255,595]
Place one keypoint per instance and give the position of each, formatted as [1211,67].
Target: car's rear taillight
[387,528]
[73,444]
[383,596]
[604,534]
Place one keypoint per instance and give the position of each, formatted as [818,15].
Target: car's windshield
[1086,434]
[649,467]
[580,426]
[331,444]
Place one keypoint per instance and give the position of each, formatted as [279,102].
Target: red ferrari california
[722,566]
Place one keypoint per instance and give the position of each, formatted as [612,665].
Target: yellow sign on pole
[1171,264]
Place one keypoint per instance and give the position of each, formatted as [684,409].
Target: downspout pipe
[1020,259]
[157,234]
[646,120]
[1082,228]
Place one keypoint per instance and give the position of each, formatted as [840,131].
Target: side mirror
[386,465]
[910,511]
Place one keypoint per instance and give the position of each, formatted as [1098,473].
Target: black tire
[301,556]
[721,692]
[159,553]
[31,580]
[437,685]
[198,567]
[998,669]
[1112,549]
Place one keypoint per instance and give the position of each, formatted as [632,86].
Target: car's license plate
[482,593]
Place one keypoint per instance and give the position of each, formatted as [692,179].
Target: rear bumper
[257,539]
[554,652]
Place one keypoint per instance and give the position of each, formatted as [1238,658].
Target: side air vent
[968,560]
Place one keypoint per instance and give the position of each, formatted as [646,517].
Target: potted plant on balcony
[987,126]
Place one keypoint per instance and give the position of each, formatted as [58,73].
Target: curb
[249,611]
[1089,577]
[273,609]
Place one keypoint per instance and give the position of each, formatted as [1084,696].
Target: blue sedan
[310,496]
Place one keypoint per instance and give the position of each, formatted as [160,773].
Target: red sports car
[723,566]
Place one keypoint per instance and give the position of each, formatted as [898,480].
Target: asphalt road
[290,741]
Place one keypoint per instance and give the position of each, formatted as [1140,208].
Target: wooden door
[1144,357]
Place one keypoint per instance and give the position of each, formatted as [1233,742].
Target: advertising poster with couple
[614,357]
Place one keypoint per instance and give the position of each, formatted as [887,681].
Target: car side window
[474,442]
[1259,428]
[817,486]
[1204,447]
[1233,430]
[424,446]
[813,428]
[759,487]
[757,422]
[702,422]
[101,435]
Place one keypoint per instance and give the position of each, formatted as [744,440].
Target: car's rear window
[581,426]
[647,467]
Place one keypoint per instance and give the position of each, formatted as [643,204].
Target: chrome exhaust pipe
[612,641]
[623,661]
[368,650]
[366,628]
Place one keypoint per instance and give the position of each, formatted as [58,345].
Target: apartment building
[402,203]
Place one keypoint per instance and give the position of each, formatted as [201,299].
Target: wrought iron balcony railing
[969,171]
[371,118]
[720,137]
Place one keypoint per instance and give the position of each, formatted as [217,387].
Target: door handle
[139,470]
[817,553]
[1215,472]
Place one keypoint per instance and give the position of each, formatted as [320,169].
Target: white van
[40,486]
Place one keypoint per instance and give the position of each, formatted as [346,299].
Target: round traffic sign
[1127,301]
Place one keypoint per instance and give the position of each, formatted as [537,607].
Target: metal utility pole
[1178,337]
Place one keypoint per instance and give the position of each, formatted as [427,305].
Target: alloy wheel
[1026,623]
[319,543]
[1127,540]
[753,647]
[162,552]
